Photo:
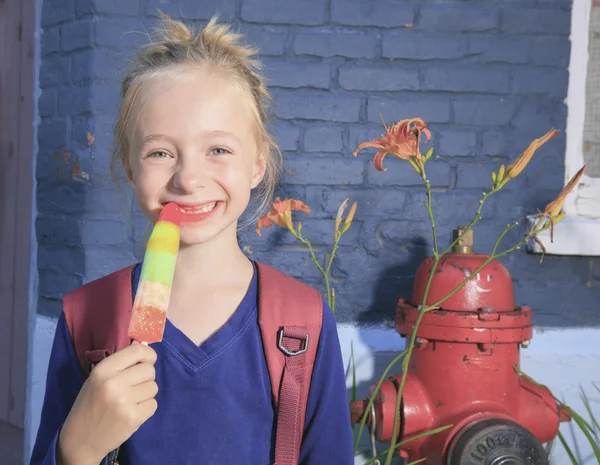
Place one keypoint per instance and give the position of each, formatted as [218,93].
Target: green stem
[313,257]
[476,219]
[430,212]
[372,398]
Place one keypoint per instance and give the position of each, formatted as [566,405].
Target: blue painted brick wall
[488,76]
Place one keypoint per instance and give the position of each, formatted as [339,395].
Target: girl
[192,130]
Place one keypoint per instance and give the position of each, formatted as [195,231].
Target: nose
[188,179]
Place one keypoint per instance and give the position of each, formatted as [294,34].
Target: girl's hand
[116,399]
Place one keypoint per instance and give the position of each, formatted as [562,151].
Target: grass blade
[567,449]
[587,430]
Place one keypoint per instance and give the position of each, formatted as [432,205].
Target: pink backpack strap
[97,316]
[290,319]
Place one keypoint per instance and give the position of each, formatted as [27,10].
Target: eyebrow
[214,133]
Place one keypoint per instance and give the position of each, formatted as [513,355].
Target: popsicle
[149,315]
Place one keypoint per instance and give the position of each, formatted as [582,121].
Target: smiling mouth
[204,208]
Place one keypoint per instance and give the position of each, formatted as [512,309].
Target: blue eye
[219,151]
[159,154]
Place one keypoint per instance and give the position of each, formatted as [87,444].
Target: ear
[128,172]
[260,166]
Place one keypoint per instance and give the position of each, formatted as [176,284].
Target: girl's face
[193,142]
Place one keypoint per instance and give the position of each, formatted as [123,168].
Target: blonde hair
[177,44]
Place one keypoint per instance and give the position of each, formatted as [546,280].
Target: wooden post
[17,46]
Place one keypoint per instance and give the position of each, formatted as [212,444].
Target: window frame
[579,232]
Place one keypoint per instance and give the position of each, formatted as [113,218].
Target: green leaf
[587,430]
[427,156]
[567,449]
[494,178]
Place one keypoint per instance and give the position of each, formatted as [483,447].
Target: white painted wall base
[564,360]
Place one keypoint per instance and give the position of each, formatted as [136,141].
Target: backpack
[290,315]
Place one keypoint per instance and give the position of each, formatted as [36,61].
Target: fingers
[146,409]
[137,374]
[144,392]
[126,358]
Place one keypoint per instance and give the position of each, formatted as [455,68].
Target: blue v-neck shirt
[214,401]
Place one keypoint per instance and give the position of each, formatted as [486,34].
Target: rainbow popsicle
[149,314]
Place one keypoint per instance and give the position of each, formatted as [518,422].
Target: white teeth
[194,211]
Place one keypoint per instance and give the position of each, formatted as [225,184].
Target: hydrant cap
[491,287]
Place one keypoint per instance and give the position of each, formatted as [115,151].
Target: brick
[479,176]
[55,284]
[379,13]
[294,261]
[50,40]
[431,109]
[534,121]
[47,102]
[551,51]
[297,75]
[371,202]
[483,111]
[54,71]
[535,21]
[81,67]
[317,107]
[76,35]
[94,65]
[456,142]
[307,12]
[387,257]
[390,234]
[102,231]
[106,97]
[56,230]
[57,11]
[288,137]
[304,170]
[466,78]
[500,49]
[191,9]
[400,173]
[52,135]
[329,44]
[67,197]
[323,139]
[450,209]
[74,100]
[268,42]
[317,231]
[549,82]
[523,266]
[457,18]
[124,33]
[50,308]
[378,79]
[494,143]
[414,45]
[110,7]
[101,261]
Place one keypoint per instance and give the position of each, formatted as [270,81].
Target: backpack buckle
[303,347]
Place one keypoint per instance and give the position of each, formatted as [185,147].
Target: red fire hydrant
[461,372]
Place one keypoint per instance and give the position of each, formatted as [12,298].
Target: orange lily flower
[281,214]
[520,163]
[401,141]
[554,207]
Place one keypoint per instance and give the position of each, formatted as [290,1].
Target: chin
[195,234]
